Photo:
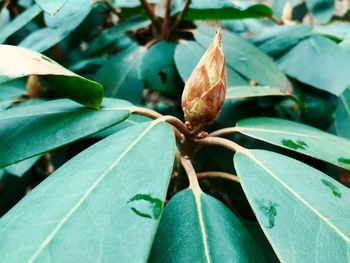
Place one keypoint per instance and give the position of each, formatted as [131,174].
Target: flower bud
[205,90]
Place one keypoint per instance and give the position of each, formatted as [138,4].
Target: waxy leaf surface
[300,138]
[304,213]
[196,227]
[103,205]
[30,130]
[245,58]
[17,62]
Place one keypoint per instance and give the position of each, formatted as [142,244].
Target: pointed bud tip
[201,105]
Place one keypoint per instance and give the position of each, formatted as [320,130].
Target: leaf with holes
[196,227]
[49,125]
[157,69]
[110,198]
[300,138]
[304,213]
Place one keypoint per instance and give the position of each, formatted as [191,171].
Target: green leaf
[53,6]
[219,10]
[187,55]
[196,227]
[48,125]
[337,31]
[245,59]
[319,62]
[279,39]
[239,92]
[133,119]
[342,115]
[18,169]
[104,204]
[132,3]
[158,71]
[10,91]
[59,25]
[120,77]
[321,9]
[17,62]
[303,212]
[19,22]
[116,36]
[5,17]
[300,138]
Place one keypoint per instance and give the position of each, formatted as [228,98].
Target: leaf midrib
[341,234]
[50,237]
[197,194]
[65,111]
[242,129]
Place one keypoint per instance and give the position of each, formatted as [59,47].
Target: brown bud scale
[205,90]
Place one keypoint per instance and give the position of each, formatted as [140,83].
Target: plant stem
[146,112]
[216,141]
[276,20]
[191,173]
[150,14]
[177,123]
[218,175]
[181,16]
[224,131]
[113,8]
[165,25]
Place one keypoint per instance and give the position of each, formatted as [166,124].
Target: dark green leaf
[157,69]
[131,121]
[132,3]
[239,92]
[279,39]
[18,169]
[245,59]
[59,25]
[4,17]
[319,62]
[300,138]
[196,227]
[215,10]
[52,6]
[48,125]
[187,55]
[338,31]
[20,21]
[18,62]
[342,115]
[120,77]
[321,9]
[303,212]
[116,36]
[104,204]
